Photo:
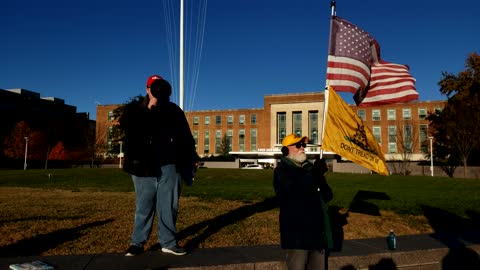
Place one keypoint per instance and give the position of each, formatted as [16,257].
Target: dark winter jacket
[156,137]
[302,194]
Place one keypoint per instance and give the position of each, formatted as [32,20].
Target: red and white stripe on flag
[390,83]
[354,65]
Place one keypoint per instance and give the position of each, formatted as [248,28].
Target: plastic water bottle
[391,241]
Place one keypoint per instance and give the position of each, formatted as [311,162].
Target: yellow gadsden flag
[346,135]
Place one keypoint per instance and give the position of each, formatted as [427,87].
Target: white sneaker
[174,250]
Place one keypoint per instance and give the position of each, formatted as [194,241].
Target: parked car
[253,166]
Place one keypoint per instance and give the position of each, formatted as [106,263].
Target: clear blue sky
[101,52]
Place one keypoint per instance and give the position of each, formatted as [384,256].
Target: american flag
[354,65]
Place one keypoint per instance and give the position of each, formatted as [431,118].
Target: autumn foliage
[15,145]
[58,152]
[455,128]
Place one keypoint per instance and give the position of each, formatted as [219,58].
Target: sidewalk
[414,252]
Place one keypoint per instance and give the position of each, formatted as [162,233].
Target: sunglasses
[300,145]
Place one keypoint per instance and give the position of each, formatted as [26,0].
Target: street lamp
[120,155]
[26,150]
[431,155]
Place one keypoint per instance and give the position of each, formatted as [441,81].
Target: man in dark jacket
[159,152]
[302,192]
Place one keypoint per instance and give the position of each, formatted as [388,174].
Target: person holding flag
[302,192]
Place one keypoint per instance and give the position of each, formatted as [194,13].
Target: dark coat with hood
[302,193]
[156,137]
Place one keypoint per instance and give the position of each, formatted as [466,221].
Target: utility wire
[195,25]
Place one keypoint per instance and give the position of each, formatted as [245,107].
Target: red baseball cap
[153,78]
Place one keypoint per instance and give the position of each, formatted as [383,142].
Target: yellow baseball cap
[293,139]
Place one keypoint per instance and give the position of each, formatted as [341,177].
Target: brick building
[104,123]
[397,127]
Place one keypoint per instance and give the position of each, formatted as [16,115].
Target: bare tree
[408,142]
[98,147]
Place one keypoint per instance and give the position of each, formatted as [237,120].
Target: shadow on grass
[212,226]
[337,221]
[43,242]
[359,203]
[454,231]
[40,218]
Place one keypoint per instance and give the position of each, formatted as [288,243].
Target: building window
[423,136]
[195,138]
[110,116]
[392,148]
[438,110]
[241,119]
[281,126]
[230,138]
[253,140]
[110,138]
[407,114]
[422,113]
[218,120]
[253,119]
[392,134]
[391,114]
[392,139]
[361,114]
[230,120]
[313,126]
[195,120]
[206,142]
[241,140]
[297,123]
[377,133]
[376,115]
[218,141]
[407,138]
[207,120]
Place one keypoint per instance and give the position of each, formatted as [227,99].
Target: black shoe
[134,250]
[174,250]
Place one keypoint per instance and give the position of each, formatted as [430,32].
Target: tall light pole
[181,74]
[120,155]
[26,150]
[431,155]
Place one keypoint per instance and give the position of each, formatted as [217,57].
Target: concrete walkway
[425,252]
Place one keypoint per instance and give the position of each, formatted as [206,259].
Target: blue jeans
[160,194]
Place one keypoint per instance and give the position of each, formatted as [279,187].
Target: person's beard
[299,157]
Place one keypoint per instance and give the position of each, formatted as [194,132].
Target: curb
[415,252]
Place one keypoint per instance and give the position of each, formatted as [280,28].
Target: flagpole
[332,6]
[325,111]
[325,107]
[181,80]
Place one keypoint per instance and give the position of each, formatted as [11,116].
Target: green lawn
[68,209]
[401,194]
